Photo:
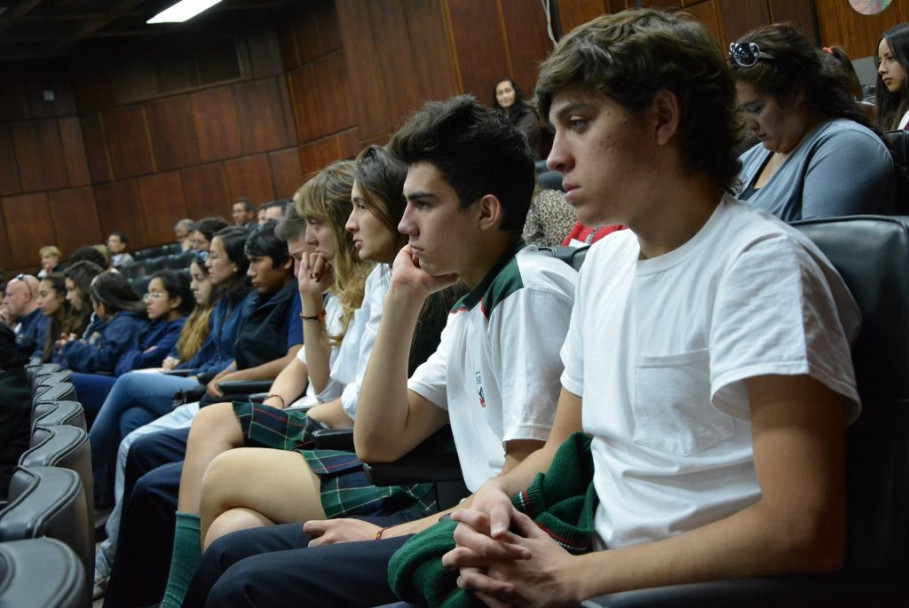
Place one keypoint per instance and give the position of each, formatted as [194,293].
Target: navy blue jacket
[155,341]
[105,345]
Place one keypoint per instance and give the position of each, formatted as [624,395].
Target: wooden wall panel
[741,17]
[76,217]
[161,196]
[261,116]
[433,63]
[859,34]
[575,12]
[6,255]
[205,191]
[528,41]
[9,168]
[74,151]
[285,172]
[364,69]
[307,106]
[119,208]
[39,152]
[264,53]
[13,94]
[480,50]
[707,13]
[250,177]
[796,12]
[315,156]
[95,149]
[332,94]
[173,134]
[126,135]
[217,127]
[92,85]
[27,227]
[349,143]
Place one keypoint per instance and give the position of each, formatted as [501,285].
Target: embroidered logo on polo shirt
[479,378]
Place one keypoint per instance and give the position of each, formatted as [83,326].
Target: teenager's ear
[490,212]
[289,264]
[667,114]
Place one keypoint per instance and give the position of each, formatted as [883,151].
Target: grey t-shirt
[842,168]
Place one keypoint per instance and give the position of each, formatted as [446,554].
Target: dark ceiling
[34,29]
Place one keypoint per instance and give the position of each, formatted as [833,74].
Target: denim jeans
[150,391]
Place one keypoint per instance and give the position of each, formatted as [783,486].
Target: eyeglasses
[154,295]
[747,55]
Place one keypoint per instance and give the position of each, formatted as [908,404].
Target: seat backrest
[872,255]
[573,256]
[38,371]
[49,501]
[53,413]
[42,572]
[53,391]
[64,447]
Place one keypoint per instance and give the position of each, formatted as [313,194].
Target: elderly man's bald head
[21,296]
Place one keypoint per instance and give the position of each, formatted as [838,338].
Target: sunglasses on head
[747,55]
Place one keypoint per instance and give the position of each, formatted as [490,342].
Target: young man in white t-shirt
[708,353]
[494,376]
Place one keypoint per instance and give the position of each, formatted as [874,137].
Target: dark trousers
[272,567]
[146,538]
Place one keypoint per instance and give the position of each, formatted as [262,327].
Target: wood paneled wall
[113,152]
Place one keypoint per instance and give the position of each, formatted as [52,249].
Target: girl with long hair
[892,90]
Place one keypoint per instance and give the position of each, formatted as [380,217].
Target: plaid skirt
[345,490]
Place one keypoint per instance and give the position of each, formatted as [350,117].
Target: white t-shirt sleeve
[526,358]
[430,379]
[775,314]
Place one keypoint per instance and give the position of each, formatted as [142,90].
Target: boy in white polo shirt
[708,353]
[494,377]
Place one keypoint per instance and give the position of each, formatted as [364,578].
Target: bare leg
[234,520]
[276,484]
[215,430]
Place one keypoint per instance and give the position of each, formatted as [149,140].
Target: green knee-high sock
[186,557]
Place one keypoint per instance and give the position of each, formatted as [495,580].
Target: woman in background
[892,91]
[509,98]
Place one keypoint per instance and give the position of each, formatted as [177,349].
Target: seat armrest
[181,373]
[233,388]
[430,468]
[833,590]
[258,397]
[334,439]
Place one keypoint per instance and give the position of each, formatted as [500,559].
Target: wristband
[380,533]
[319,318]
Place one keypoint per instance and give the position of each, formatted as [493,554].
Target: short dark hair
[176,284]
[262,242]
[476,150]
[633,55]
[120,235]
[88,253]
[247,204]
[293,226]
[208,226]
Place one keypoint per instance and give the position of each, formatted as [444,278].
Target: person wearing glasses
[21,303]
[819,155]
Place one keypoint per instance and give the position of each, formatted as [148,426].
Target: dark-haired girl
[892,91]
[509,98]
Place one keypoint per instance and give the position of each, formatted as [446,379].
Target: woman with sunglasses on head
[819,155]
